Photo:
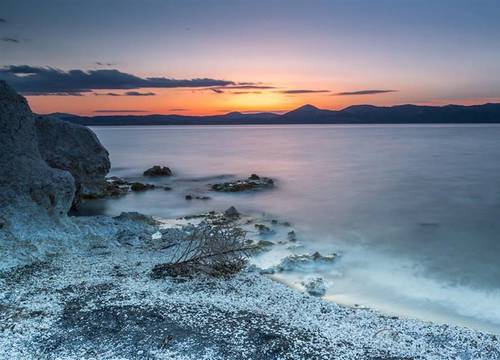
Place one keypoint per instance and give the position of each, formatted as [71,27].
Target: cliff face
[74,148]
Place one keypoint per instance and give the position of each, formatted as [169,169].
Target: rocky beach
[88,287]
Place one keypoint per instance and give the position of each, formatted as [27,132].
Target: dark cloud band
[32,80]
[302,91]
[364,92]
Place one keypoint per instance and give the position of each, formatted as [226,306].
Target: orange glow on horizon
[207,102]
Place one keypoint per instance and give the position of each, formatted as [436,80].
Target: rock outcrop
[33,195]
[254,182]
[74,148]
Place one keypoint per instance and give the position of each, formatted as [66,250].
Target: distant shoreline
[308,114]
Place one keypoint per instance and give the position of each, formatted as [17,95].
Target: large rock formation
[74,148]
[34,197]
[28,183]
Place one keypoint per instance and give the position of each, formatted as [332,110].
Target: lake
[412,210]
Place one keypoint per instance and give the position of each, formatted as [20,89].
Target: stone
[315,286]
[158,170]
[137,186]
[254,182]
[34,195]
[189,197]
[232,213]
[263,229]
[76,149]
[292,236]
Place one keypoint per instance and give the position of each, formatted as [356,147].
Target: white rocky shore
[82,288]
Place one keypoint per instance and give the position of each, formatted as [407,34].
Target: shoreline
[102,301]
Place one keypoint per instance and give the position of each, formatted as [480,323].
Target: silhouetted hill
[308,114]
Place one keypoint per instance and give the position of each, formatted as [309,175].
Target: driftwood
[215,250]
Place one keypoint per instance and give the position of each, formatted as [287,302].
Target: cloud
[98,63]
[2,20]
[217,91]
[137,93]
[248,86]
[128,93]
[33,80]
[245,92]
[364,92]
[178,109]
[11,40]
[302,91]
[119,111]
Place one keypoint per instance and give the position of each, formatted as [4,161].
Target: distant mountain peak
[307,107]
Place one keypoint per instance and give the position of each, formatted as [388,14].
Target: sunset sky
[211,57]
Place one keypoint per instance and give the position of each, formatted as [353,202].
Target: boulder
[76,149]
[34,197]
[231,213]
[158,170]
[137,186]
[315,286]
[254,182]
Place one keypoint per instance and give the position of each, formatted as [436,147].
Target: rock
[74,148]
[167,188]
[189,197]
[232,213]
[315,286]
[158,170]
[254,182]
[117,181]
[137,186]
[265,243]
[136,217]
[34,197]
[263,229]
[304,262]
[292,236]
[203,197]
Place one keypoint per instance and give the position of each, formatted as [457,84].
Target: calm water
[414,211]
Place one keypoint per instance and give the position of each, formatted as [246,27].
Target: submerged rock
[292,237]
[74,148]
[158,170]
[137,186]
[254,182]
[264,230]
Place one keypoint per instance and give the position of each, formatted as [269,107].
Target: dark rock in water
[189,197]
[263,229]
[34,195]
[117,181]
[265,243]
[137,186]
[203,197]
[254,182]
[167,188]
[232,213]
[158,170]
[292,236]
[74,148]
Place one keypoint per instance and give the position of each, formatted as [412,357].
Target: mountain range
[308,114]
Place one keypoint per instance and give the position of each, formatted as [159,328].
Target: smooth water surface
[413,211]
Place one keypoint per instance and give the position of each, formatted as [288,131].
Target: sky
[211,57]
